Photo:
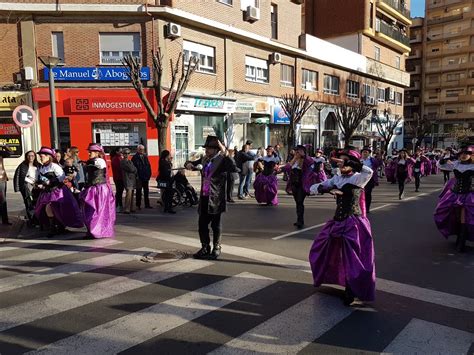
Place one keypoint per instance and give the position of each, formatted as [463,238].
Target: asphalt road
[73,296]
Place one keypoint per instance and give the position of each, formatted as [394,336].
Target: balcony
[392,37]
[416,54]
[414,102]
[396,9]
[416,39]
[436,21]
[466,98]
[414,86]
[414,70]
[450,51]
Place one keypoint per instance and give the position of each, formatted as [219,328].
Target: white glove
[313,190]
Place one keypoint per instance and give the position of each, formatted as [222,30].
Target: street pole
[52,98]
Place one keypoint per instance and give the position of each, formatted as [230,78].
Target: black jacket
[221,165]
[143,167]
[20,175]
[164,170]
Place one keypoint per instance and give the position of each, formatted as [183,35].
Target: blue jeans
[248,181]
[242,180]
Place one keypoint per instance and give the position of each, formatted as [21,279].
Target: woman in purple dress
[319,162]
[97,199]
[266,182]
[343,252]
[454,214]
[56,204]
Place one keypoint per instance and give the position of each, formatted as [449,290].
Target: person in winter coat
[140,160]
[166,179]
[129,172]
[24,181]
[117,156]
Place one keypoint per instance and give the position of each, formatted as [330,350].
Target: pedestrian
[56,205]
[129,175]
[445,163]
[241,160]
[165,181]
[24,181]
[403,167]
[80,177]
[117,176]
[276,152]
[212,203]
[70,171]
[250,163]
[343,252]
[59,159]
[266,182]
[97,199]
[434,164]
[141,162]
[301,176]
[372,163]
[5,152]
[420,167]
[231,177]
[454,214]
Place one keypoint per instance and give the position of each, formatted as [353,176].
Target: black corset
[348,203]
[51,178]
[268,167]
[95,176]
[464,182]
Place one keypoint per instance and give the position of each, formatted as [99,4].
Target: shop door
[278,135]
[182,147]
[64,133]
[308,138]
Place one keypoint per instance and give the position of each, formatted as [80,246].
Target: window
[453,77]
[309,80]
[369,91]
[205,54]
[114,46]
[274,21]
[397,62]
[377,53]
[398,98]
[371,23]
[380,95]
[58,45]
[227,2]
[454,92]
[352,89]
[256,70]
[331,85]
[287,75]
[246,3]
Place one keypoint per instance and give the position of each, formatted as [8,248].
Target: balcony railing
[388,30]
[436,21]
[399,6]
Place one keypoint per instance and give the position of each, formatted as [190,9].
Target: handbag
[163,184]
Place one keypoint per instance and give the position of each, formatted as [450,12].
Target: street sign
[24,116]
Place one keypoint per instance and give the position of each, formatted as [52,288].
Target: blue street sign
[279,115]
[94,74]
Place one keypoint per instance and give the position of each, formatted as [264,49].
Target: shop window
[114,46]
[205,54]
[309,80]
[207,125]
[352,89]
[331,84]
[256,70]
[57,39]
[287,75]
[119,135]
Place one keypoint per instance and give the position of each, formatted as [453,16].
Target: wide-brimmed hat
[211,142]
[351,153]
[95,147]
[469,149]
[47,151]
[367,149]
[319,150]
[301,147]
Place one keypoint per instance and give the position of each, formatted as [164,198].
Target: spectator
[276,152]
[129,172]
[231,177]
[24,181]
[80,177]
[59,158]
[5,152]
[117,175]
[250,163]
[141,162]
[241,160]
[166,181]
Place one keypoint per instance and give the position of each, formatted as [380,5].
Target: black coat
[143,167]
[20,175]
[164,170]
[221,166]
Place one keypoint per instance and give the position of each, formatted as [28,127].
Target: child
[71,172]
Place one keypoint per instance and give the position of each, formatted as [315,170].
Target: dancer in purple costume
[454,214]
[97,199]
[266,182]
[343,252]
[319,161]
[402,168]
[56,204]
[374,164]
[421,167]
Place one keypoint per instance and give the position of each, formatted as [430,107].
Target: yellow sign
[11,99]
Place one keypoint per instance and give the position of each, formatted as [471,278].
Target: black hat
[301,147]
[366,149]
[249,142]
[211,142]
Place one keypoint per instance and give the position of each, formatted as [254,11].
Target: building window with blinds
[256,70]
[205,54]
[309,80]
[57,39]
[380,94]
[287,75]
[331,85]
[352,89]
[114,46]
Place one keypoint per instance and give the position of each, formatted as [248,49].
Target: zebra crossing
[233,306]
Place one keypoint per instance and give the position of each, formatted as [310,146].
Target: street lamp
[319,108]
[50,63]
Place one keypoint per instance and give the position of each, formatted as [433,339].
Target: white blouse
[358,179]
[53,167]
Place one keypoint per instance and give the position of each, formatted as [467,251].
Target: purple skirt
[343,254]
[64,205]
[447,212]
[266,189]
[98,207]
[320,176]
[390,173]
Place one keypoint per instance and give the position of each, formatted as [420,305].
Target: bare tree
[462,135]
[349,116]
[419,127]
[387,127]
[295,107]
[180,75]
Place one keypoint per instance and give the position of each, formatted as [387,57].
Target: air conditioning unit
[252,14]
[275,58]
[27,73]
[172,30]
[308,85]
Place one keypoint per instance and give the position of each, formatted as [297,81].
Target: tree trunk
[347,140]
[291,137]
[162,138]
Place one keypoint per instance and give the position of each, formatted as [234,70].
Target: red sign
[9,129]
[106,104]
[24,116]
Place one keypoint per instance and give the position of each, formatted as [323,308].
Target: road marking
[319,225]
[5,242]
[421,337]
[396,288]
[291,330]
[67,300]
[138,327]
[48,274]
[55,253]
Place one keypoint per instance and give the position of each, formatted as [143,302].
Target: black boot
[348,297]
[461,239]
[53,230]
[204,252]
[216,251]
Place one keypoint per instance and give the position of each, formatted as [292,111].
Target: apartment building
[449,67]
[251,52]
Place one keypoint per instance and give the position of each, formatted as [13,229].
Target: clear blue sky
[417,8]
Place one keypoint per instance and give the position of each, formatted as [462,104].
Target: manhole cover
[164,256]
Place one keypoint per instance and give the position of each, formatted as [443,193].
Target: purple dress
[320,174]
[458,194]
[65,208]
[97,201]
[343,252]
[266,183]
[309,177]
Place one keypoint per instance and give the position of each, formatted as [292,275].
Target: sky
[417,8]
